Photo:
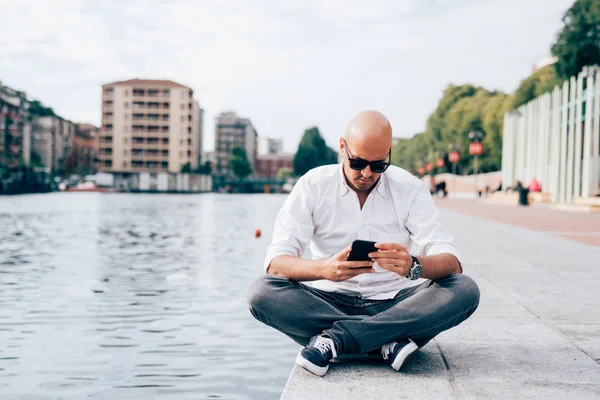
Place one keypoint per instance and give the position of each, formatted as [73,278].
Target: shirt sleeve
[425,229]
[294,225]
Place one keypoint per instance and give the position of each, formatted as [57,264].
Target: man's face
[364,179]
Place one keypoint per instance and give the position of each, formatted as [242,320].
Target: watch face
[416,271]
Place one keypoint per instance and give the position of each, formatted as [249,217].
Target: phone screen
[361,249]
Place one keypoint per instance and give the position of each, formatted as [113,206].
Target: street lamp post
[475,149]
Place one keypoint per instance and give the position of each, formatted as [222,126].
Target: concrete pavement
[536,334]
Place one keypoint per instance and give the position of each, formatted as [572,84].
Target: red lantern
[454,156]
[439,162]
[429,167]
[421,170]
[476,148]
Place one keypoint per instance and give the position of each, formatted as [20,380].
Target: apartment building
[149,126]
[267,165]
[15,127]
[52,139]
[267,145]
[233,131]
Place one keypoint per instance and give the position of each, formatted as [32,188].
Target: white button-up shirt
[323,210]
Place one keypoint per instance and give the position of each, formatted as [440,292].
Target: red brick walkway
[581,227]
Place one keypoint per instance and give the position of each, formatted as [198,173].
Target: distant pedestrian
[534,186]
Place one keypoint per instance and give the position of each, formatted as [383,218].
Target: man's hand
[393,257]
[337,268]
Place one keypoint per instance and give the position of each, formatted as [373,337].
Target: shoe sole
[403,355]
[310,367]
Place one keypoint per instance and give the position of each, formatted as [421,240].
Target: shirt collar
[344,188]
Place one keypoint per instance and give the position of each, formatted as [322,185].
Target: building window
[126,92]
[189,130]
[108,91]
[124,164]
[124,152]
[183,106]
[166,92]
[125,140]
[126,105]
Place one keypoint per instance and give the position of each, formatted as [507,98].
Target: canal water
[134,296]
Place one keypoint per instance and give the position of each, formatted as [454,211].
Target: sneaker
[397,352]
[316,356]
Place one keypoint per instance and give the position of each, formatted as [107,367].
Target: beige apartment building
[149,126]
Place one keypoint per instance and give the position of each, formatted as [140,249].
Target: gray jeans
[358,325]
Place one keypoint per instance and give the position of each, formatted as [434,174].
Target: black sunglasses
[359,164]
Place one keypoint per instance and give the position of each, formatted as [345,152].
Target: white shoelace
[387,349]
[324,345]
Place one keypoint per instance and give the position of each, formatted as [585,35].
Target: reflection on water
[127,296]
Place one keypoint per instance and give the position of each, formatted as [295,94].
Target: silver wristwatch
[416,269]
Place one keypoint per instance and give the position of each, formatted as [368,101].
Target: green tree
[38,109]
[312,152]
[36,160]
[186,168]
[541,81]
[284,173]
[578,43]
[239,163]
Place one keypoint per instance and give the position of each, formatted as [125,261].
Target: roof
[147,82]
[87,126]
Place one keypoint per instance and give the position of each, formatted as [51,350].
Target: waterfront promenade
[536,334]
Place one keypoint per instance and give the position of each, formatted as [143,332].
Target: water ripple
[121,296]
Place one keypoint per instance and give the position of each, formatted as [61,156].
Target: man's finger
[389,246]
[386,254]
[390,261]
[357,264]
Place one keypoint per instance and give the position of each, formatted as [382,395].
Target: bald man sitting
[393,304]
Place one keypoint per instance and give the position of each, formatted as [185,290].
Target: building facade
[555,138]
[149,126]
[15,127]
[51,142]
[233,131]
[81,159]
[269,146]
[268,165]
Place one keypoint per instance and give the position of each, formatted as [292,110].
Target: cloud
[287,65]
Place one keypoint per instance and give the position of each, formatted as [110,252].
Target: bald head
[368,126]
[369,131]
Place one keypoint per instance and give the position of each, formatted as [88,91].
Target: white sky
[286,65]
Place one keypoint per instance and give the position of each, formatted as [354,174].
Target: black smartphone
[361,249]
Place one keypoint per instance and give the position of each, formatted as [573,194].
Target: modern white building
[268,145]
[555,139]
